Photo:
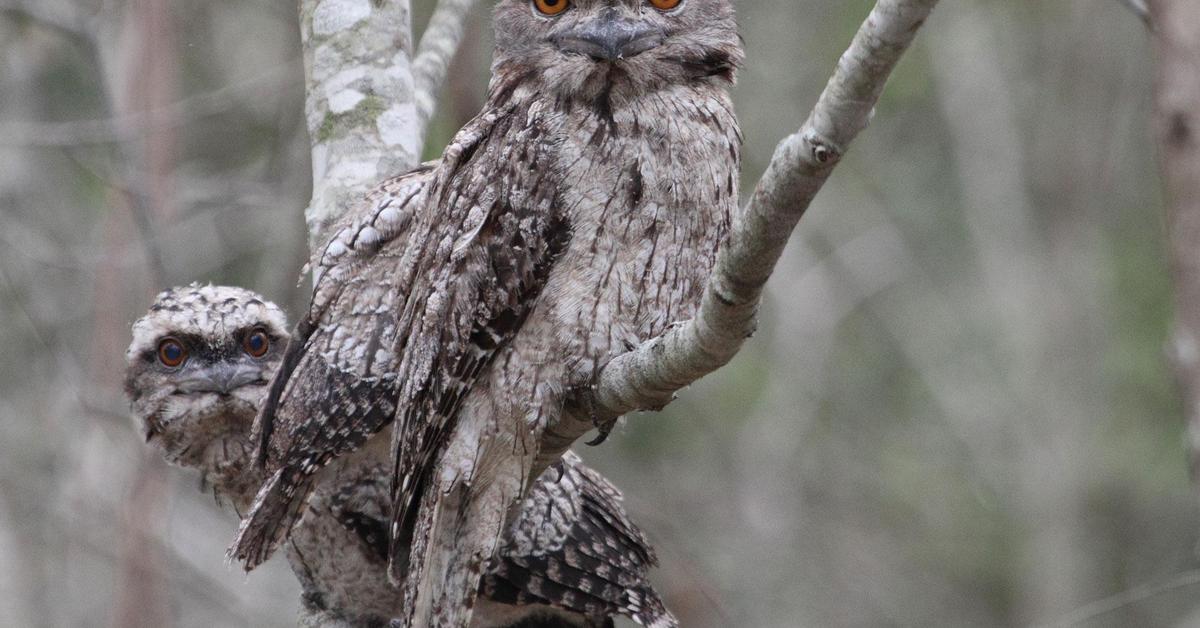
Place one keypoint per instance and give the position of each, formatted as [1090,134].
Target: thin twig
[139,209]
[43,13]
[1125,598]
[121,128]
[1139,9]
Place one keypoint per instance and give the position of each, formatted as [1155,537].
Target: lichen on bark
[360,106]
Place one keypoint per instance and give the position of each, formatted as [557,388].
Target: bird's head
[578,49]
[198,370]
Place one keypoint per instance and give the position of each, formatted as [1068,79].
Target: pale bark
[1177,123]
[360,107]
[368,101]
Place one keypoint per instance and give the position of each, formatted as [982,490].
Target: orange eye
[256,343]
[552,7]
[171,353]
[665,5]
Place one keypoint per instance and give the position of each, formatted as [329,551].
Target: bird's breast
[649,194]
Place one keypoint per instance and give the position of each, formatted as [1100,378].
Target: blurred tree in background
[957,411]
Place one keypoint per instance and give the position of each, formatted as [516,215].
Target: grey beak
[221,379]
[610,37]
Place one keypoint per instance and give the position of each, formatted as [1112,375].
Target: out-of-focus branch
[1140,9]
[438,45]
[142,597]
[122,128]
[1177,123]
[649,376]
[1088,613]
[362,119]
[54,15]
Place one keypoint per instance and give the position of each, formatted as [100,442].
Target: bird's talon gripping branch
[585,399]
[604,428]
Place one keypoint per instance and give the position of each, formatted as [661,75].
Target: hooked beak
[610,37]
[221,379]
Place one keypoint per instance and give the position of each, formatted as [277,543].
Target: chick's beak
[609,37]
[221,379]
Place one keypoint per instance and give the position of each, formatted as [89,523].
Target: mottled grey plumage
[571,545]
[571,556]
[575,217]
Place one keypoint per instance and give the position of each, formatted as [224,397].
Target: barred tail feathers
[277,506]
[645,607]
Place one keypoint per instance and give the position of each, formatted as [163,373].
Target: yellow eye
[552,7]
[171,353]
[665,5]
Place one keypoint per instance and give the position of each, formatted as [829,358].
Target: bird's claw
[605,428]
[587,400]
[560,467]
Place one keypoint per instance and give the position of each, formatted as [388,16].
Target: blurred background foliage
[958,410]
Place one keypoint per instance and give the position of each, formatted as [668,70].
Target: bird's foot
[584,400]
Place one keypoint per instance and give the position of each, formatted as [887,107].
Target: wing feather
[414,296]
[333,391]
[476,284]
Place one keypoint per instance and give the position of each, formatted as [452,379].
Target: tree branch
[1177,123]
[68,20]
[124,127]
[438,45]
[360,109]
[648,377]
[1139,9]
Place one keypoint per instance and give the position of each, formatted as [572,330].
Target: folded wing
[414,295]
